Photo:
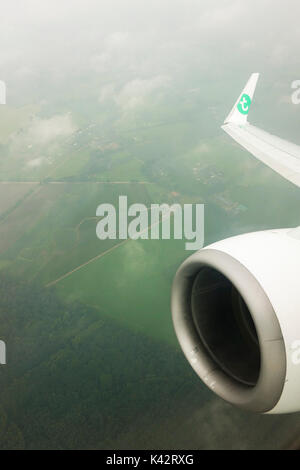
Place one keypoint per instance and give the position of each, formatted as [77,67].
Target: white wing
[280,155]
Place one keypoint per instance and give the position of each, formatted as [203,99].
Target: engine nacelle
[236,312]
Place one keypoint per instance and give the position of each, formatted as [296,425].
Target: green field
[95,361]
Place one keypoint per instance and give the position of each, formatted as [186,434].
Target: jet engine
[236,313]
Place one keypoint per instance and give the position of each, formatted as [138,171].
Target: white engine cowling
[236,313]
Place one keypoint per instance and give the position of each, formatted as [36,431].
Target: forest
[76,379]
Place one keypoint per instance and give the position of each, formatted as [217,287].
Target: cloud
[47,47]
[36,162]
[117,40]
[44,131]
[107,92]
[135,92]
[203,148]
[41,134]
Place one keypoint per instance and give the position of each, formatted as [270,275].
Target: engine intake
[227,326]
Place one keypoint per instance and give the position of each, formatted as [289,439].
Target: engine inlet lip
[265,394]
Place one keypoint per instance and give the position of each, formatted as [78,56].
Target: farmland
[89,320]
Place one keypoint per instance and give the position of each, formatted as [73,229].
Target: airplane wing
[280,155]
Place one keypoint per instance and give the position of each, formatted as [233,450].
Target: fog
[138,40]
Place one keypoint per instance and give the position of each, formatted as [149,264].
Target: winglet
[239,112]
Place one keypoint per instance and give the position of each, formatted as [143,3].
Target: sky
[122,55]
[146,40]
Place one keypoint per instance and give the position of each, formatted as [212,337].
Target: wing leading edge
[280,155]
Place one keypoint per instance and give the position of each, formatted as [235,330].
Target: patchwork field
[13,193]
[85,317]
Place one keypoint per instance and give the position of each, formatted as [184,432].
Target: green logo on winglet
[244,104]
